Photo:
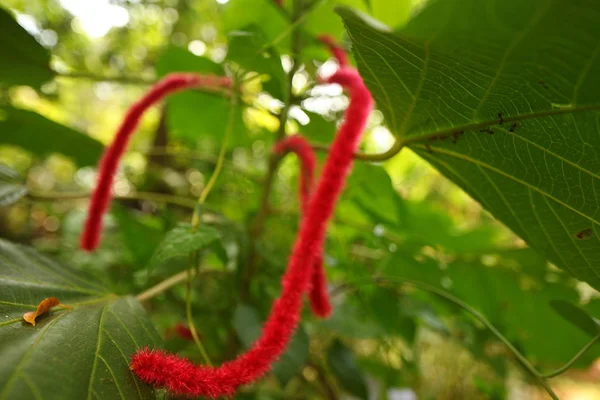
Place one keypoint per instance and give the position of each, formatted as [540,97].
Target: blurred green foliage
[66,79]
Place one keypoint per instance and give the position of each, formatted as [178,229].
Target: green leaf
[370,187]
[458,65]
[82,353]
[12,187]
[182,240]
[576,316]
[247,48]
[139,234]
[264,13]
[24,60]
[246,323]
[41,136]
[343,365]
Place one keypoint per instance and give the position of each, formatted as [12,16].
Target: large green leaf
[42,136]
[526,71]
[24,60]
[12,187]
[82,353]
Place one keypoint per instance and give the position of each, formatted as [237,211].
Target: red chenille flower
[101,197]
[319,299]
[182,377]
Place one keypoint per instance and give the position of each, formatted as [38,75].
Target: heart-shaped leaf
[77,353]
[182,240]
[490,95]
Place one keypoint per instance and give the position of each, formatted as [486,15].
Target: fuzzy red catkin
[338,52]
[179,375]
[319,299]
[90,238]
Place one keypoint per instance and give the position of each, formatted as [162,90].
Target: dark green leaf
[42,136]
[24,60]
[576,316]
[343,365]
[247,48]
[81,353]
[456,68]
[140,236]
[182,240]
[246,323]
[12,187]
[291,362]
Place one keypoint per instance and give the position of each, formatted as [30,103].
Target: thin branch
[447,296]
[149,196]
[573,360]
[163,286]
[129,80]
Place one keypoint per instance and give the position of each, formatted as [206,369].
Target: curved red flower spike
[338,52]
[90,238]
[319,299]
[182,377]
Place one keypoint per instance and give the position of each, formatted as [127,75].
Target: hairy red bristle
[319,299]
[183,378]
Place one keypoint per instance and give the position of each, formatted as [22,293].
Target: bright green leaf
[247,48]
[82,353]
[24,60]
[182,240]
[461,66]
[42,137]
[12,187]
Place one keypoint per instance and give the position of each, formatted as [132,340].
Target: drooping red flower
[319,299]
[101,197]
[338,52]
[182,377]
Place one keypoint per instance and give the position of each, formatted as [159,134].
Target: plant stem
[196,219]
[447,296]
[218,167]
[258,226]
[130,80]
[573,360]
[149,196]
[188,313]
[163,286]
